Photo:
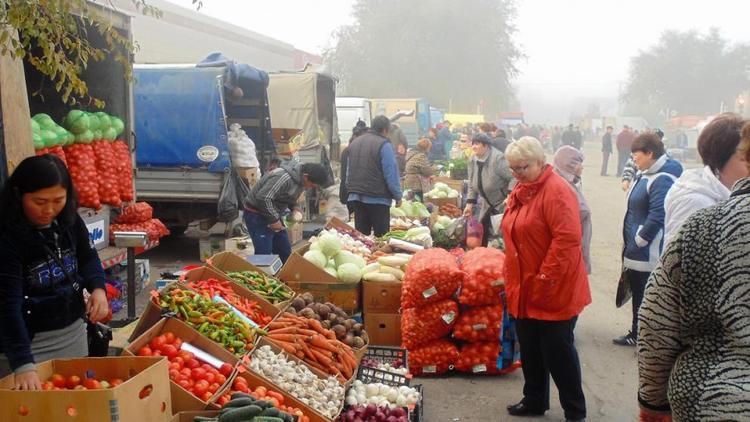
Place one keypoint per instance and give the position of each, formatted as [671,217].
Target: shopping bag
[233,194]
[623,286]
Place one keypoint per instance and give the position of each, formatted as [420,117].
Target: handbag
[98,335]
[623,287]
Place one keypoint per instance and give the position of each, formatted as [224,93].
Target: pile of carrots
[318,347]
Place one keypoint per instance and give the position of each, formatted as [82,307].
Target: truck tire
[177,230]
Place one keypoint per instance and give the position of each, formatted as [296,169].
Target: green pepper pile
[269,288]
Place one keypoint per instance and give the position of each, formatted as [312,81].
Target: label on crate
[497,283]
[429,369]
[479,368]
[478,327]
[449,317]
[432,291]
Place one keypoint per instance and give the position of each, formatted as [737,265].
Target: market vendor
[48,259]
[489,179]
[419,172]
[275,193]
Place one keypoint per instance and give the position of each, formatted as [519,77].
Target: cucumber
[271,411]
[240,414]
[241,395]
[240,402]
[266,419]
[204,419]
[263,404]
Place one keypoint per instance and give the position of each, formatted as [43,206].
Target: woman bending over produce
[545,280]
[418,169]
[47,260]
[489,178]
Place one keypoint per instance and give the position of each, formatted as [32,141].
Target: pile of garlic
[381,395]
[323,395]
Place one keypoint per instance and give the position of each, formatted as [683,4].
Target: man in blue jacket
[439,152]
[372,179]
[643,228]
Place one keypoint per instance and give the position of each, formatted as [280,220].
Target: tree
[687,72]
[51,36]
[449,52]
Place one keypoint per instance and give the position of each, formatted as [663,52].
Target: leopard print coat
[694,335]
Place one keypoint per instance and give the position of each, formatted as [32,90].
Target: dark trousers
[622,158]
[605,162]
[637,280]
[548,348]
[371,218]
[265,240]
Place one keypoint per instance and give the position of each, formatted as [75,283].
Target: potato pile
[347,330]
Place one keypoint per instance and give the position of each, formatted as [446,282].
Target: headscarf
[566,160]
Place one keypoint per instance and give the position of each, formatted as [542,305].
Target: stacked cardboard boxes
[381,304]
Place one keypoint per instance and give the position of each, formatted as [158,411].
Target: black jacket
[277,191]
[35,294]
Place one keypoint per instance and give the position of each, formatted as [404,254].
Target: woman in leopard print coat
[694,335]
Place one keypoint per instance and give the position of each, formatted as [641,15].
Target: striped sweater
[694,335]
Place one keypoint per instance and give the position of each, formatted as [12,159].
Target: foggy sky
[576,49]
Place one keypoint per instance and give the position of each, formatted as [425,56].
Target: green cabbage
[316,257]
[117,124]
[329,244]
[441,187]
[332,271]
[420,210]
[346,257]
[396,212]
[349,273]
[406,207]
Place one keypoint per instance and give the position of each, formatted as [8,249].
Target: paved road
[609,371]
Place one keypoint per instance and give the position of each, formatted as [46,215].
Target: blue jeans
[265,240]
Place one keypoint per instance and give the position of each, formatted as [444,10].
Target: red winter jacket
[545,276]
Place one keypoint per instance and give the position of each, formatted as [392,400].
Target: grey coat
[496,178]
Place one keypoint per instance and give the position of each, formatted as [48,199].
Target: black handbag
[623,286]
[99,335]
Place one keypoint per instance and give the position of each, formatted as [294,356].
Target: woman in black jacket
[48,259]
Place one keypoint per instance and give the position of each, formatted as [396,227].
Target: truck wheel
[178,230]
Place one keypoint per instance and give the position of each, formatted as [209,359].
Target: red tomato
[178,343]
[179,361]
[58,380]
[145,351]
[175,366]
[158,342]
[184,384]
[47,385]
[174,374]
[220,379]
[199,374]
[210,377]
[72,382]
[169,351]
[92,384]
[187,372]
[157,353]
[207,396]
[192,364]
[169,337]
[114,382]
[200,388]
[226,369]
[213,387]
[79,387]
[221,401]
[206,367]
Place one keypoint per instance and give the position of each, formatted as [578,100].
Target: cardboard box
[189,416]
[381,297]
[311,413]
[144,377]
[227,262]
[153,313]
[183,400]
[443,201]
[453,184]
[383,329]
[97,223]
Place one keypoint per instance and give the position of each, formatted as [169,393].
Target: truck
[349,111]
[414,126]
[182,115]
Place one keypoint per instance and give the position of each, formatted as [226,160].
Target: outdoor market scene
[211,218]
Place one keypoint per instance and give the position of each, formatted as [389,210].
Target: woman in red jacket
[546,282]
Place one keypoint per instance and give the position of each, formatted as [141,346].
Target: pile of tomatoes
[261,393]
[74,382]
[199,378]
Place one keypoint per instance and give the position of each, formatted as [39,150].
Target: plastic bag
[431,276]
[484,281]
[232,197]
[136,213]
[431,322]
[474,233]
[483,323]
[433,358]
